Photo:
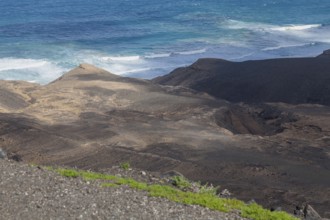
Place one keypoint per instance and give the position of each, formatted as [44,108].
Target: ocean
[41,40]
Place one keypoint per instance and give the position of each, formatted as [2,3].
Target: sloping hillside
[92,119]
[288,80]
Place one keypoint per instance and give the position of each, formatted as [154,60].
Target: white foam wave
[161,55]
[16,64]
[270,37]
[256,26]
[121,58]
[191,52]
[164,55]
[236,25]
[129,71]
[144,65]
[287,46]
[296,27]
[33,70]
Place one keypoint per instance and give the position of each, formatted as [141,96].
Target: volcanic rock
[288,80]
[3,154]
[325,54]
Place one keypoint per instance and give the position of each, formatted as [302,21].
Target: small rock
[252,201]
[15,157]
[275,209]
[153,179]
[3,154]
[225,193]
[143,173]
[171,173]
[311,214]
[306,212]
[298,212]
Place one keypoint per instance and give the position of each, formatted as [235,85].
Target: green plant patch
[125,165]
[96,176]
[205,198]
[109,185]
[257,212]
[181,182]
[68,173]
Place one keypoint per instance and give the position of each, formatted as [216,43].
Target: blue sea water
[40,40]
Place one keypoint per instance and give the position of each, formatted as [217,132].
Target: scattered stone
[298,212]
[225,193]
[275,209]
[3,154]
[311,214]
[306,212]
[143,173]
[171,173]
[15,157]
[251,201]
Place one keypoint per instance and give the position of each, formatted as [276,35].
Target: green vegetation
[125,165]
[185,185]
[181,182]
[205,198]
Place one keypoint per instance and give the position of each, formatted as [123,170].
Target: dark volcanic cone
[289,80]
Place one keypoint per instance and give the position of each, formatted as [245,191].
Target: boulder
[3,154]
[311,214]
[306,212]
[225,193]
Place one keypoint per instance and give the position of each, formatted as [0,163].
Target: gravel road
[29,192]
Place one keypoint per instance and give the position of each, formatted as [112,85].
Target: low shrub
[125,165]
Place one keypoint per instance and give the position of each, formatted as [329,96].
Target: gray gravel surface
[29,192]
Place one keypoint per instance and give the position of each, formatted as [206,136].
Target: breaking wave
[32,70]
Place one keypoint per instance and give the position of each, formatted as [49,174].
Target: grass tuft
[68,173]
[181,182]
[125,165]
